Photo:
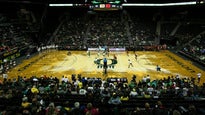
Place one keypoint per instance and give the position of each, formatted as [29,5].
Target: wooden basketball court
[58,63]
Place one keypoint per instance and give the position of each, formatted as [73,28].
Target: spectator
[175,110]
[90,110]
[25,103]
[192,110]
[133,93]
[82,91]
[76,110]
[136,111]
[51,110]
[148,110]
[114,99]
[124,97]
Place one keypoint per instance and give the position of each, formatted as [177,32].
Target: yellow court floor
[57,64]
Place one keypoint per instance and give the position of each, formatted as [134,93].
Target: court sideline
[57,64]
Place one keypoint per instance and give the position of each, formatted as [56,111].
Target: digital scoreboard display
[102,6]
[106,1]
[106,5]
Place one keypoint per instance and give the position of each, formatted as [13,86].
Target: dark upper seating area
[108,29]
[195,49]
[71,33]
[143,31]
[127,29]
[92,31]
[16,33]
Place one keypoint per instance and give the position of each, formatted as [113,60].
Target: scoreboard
[107,6]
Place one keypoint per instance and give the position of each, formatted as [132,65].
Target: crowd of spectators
[105,28]
[184,34]
[48,95]
[119,29]
[15,34]
[71,33]
[108,29]
[196,49]
[17,37]
[6,35]
[143,31]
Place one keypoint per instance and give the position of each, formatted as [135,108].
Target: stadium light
[163,4]
[61,5]
[140,4]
